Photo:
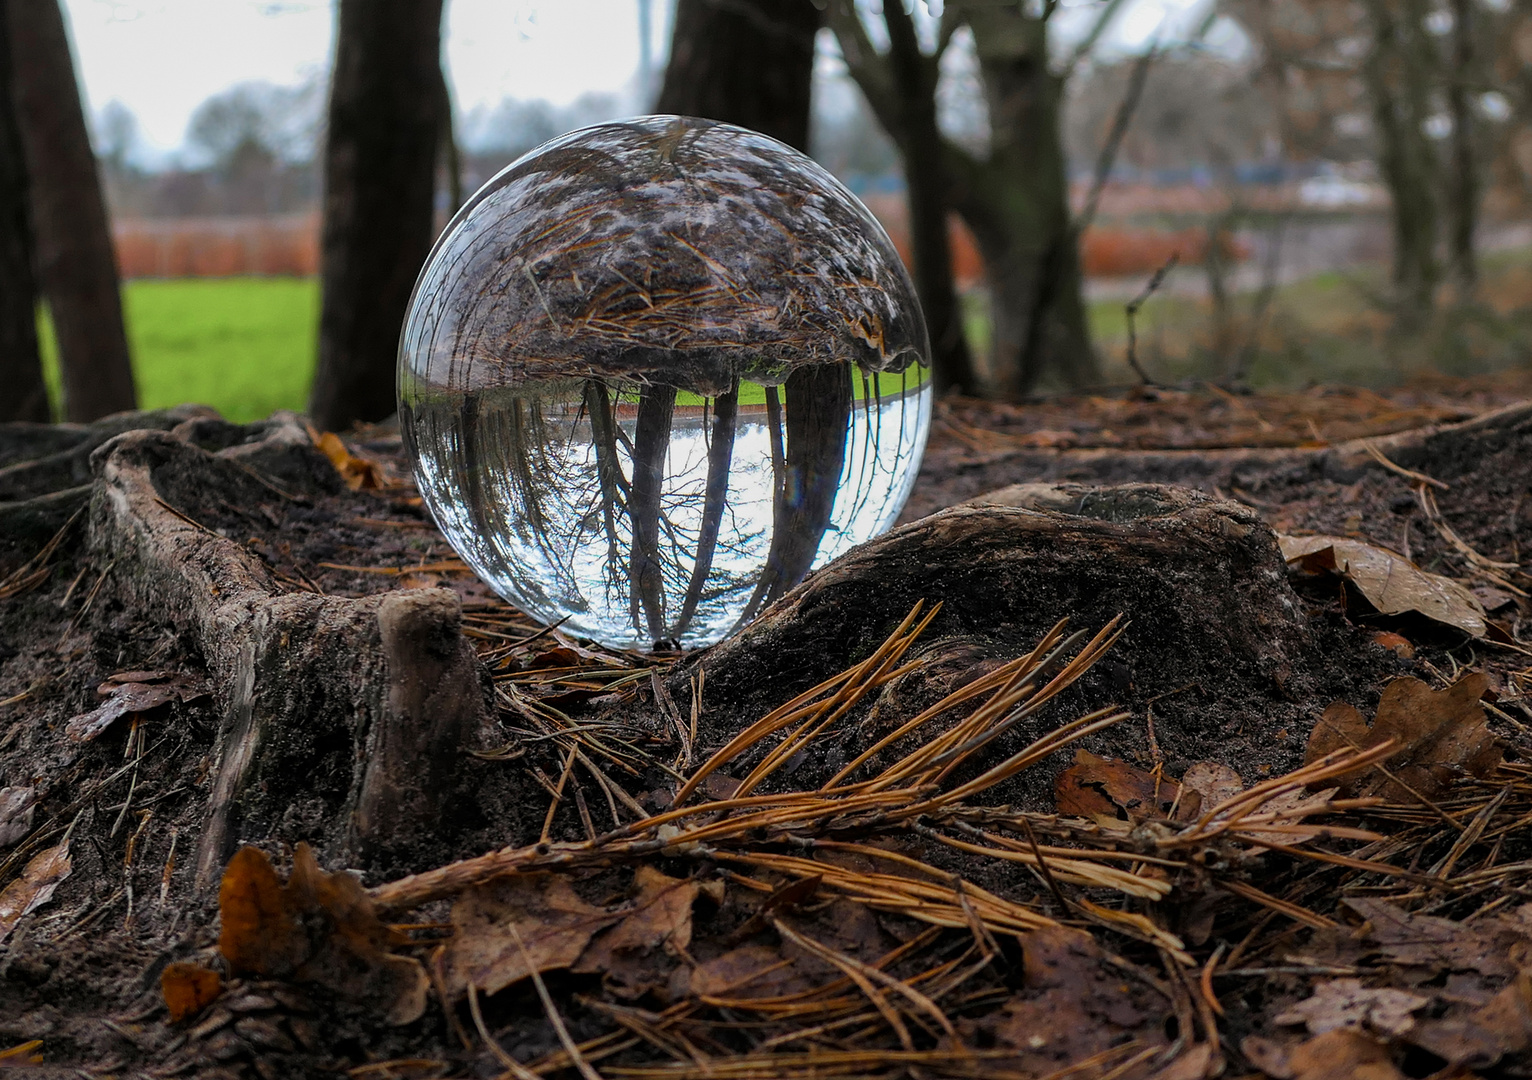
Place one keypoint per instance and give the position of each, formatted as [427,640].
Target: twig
[1132,311]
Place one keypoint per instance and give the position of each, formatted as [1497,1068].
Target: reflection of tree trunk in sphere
[614,486]
[651,440]
[715,495]
[818,407]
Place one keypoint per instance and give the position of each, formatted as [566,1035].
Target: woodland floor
[1379,924]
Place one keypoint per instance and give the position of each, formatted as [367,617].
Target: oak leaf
[1438,734]
[34,887]
[1390,583]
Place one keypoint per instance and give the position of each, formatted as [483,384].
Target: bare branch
[1109,149]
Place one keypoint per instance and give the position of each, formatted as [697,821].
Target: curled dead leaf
[34,887]
[1390,582]
[359,473]
[1439,735]
[318,928]
[130,693]
[188,989]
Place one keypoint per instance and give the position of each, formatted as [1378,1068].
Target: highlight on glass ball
[656,371]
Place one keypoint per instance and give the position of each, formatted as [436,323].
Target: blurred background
[1336,190]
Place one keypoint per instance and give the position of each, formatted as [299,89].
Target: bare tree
[1400,71]
[912,123]
[380,167]
[76,265]
[1464,186]
[1014,198]
[21,371]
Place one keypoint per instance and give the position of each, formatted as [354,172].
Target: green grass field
[245,346]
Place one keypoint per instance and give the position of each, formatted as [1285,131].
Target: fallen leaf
[1391,583]
[258,931]
[509,927]
[131,697]
[1394,643]
[1102,786]
[17,806]
[1346,1003]
[746,973]
[1213,782]
[1440,735]
[635,955]
[359,473]
[318,928]
[1482,1037]
[1343,1054]
[1433,944]
[188,989]
[1073,1006]
[34,887]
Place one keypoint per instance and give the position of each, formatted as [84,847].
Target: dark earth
[1227,658]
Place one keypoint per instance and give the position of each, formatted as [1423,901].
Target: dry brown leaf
[258,931]
[1073,1007]
[17,807]
[34,887]
[1485,1035]
[751,971]
[661,917]
[1213,782]
[1433,944]
[127,695]
[317,927]
[188,989]
[359,473]
[1346,1003]
[1343,1054]
[1440,735]
[1390,582]
[552,927]
[1101,786]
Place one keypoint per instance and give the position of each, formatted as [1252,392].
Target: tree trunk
[920,143]
[1398,72]
[745,62]
[76,265]
[1015,200]
[1018,210]
[21,371]
[1463,207]
[380,168]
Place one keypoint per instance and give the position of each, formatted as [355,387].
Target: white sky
[162,58]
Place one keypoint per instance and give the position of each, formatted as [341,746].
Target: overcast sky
[162,58]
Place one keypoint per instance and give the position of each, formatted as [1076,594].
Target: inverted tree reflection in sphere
[654,372]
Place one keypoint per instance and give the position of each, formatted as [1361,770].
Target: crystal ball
[654,372]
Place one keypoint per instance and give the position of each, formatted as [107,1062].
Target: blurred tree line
[1436,92]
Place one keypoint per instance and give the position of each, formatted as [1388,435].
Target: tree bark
[21,370]
[1398,73]
[380,169]
[926,185]
[1463,207]
[76,264]
[745,62]
[1015,200]
[1018,209]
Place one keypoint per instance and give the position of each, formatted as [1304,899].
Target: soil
[82,971]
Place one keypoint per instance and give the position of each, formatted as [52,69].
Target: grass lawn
[245,346]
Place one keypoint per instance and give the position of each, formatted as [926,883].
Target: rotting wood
[352,711]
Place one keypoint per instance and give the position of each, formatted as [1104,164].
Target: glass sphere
[657,370]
